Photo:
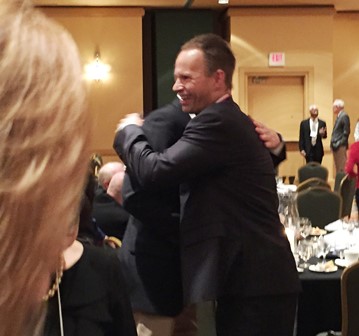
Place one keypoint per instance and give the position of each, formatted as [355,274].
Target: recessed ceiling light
[223,2]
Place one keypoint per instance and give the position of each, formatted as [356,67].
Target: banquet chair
[313,182]
[338,178]
[312,169]
[349,284]
[346,190]
[321,205]
[350,300]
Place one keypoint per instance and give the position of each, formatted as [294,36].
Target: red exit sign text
[276,59]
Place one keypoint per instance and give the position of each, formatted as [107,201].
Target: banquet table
[319,304]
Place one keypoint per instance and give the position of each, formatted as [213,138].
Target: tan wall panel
[306,38]
[117,33]
[346,64]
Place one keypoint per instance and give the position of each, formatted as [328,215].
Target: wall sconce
[97,70]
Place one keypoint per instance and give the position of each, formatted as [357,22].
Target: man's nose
[177,86]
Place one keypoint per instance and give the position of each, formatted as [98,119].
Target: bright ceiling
[339,5]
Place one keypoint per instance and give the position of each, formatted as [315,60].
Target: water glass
[305,251]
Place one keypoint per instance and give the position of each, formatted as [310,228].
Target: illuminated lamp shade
[97,70]
[223,2]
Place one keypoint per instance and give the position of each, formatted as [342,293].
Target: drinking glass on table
[305,251]
[305,227]
[323,248]
[349,225]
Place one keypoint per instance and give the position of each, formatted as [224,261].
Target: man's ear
[220,77]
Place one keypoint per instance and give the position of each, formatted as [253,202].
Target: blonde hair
[44,137]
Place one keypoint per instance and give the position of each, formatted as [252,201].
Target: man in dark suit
[150,248]
[340,135]
[232,242]
[311,133]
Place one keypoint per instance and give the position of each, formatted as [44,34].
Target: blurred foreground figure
[44,134]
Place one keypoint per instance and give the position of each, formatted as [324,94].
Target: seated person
[89,232]
[106,173]
[108,212]
[89,296]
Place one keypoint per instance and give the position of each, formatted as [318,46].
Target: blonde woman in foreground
[44,136]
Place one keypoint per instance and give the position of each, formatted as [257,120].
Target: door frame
[307,73]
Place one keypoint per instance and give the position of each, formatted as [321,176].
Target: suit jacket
[305,140]
[341,131]
[94,298]
[110,216]
[232,241]
[150,248]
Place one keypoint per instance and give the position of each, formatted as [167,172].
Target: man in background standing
[340,135]
[311,133]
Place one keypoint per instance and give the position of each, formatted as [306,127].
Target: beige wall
[320,41]
[117,33]
[346,64]
[305,36]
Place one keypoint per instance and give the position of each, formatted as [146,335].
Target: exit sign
[276,59]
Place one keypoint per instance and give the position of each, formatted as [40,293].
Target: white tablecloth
[342,239]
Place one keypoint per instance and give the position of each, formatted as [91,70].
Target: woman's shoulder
[100,257]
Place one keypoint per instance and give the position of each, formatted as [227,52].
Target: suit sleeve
[162,129]
[301,137]
[192,155]
[346,129]
[325,135]
[280,157]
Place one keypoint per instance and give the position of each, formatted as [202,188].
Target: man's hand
[129,119]
[269,137]
[303,153]
[322,131]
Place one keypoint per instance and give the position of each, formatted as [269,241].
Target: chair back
[312,169]
[347,191]
[350,300]
[338,179]
[313,182]
[321,205]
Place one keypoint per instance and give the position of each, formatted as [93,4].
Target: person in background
[356,131]
[107,210]
[226,175]
[44,137]
[340,135]
[106,172]
[311,133]
[89,232]
[352,164]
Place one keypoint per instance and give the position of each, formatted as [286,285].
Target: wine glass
[323,248]
[305,251]
[349,225]
[305,227]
